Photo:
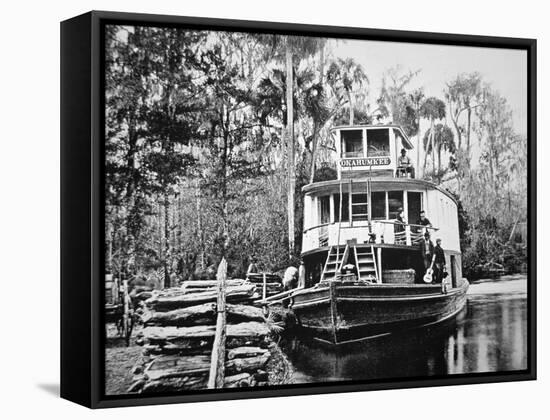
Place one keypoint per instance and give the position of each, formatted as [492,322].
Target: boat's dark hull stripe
[360,308]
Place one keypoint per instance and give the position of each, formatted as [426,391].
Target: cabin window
[360,207]
[378,206]
[352,143]
[378,143]
[345,207]
[324,209]
[395,201]
[414,202]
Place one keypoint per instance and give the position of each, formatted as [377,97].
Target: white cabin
[361,205]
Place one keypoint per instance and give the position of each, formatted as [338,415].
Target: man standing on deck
[427,250]
[439,261]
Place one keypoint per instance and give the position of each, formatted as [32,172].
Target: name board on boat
[374,161]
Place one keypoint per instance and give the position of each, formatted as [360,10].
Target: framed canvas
[256,209]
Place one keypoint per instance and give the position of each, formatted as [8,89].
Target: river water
[489,335]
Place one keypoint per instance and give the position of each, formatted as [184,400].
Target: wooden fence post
[264,290]
[217,362]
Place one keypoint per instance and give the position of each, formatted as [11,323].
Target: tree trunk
[313,154]
[109,237]
[351,113]
[167,279]
[290,146]
[225,165]
[439,164]
[469,128]
[317,124]
[199,225]
[432,138]
[428,144]
[418,145]
[131,202]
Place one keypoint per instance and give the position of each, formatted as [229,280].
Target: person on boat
[423,221]
[439,263]
[302,274]
[399,227]
[290,279]
[252,268]
[427,250]
[404,165]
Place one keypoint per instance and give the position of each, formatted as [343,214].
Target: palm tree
[442,140]
[346,75]
[294,47]
[432,109]
[416,98]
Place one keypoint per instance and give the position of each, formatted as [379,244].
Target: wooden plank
[264,293]
[204,314]
[180,299]
[192,284]
[246,351]
[216,378]
[333,310]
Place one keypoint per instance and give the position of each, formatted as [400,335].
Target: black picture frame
[82,214]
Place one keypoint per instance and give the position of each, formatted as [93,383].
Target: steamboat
[365,270]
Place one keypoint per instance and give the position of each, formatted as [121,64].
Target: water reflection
[490,334]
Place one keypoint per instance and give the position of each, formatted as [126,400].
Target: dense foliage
[199,140]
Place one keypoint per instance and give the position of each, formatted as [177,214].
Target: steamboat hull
[337,312]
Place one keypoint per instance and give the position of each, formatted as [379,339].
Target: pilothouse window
[352,143]
[378,143]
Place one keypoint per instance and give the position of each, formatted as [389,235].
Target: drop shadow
[52,389]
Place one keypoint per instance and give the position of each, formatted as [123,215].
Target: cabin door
[414,201]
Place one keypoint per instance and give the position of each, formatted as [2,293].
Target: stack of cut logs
[178,334]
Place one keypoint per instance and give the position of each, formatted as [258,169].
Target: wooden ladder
[333,264]
[366,264]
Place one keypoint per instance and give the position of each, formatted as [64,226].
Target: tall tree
[439,138]
[432,109]
[295,49]
[463,96]
[290,142]
[346,76]
[394,101]
[416,98]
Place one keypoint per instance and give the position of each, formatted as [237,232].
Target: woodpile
[178,335]
[179,298]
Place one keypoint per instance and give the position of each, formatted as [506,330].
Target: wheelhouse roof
[374,126]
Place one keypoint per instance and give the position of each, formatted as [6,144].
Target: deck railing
[382,231]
